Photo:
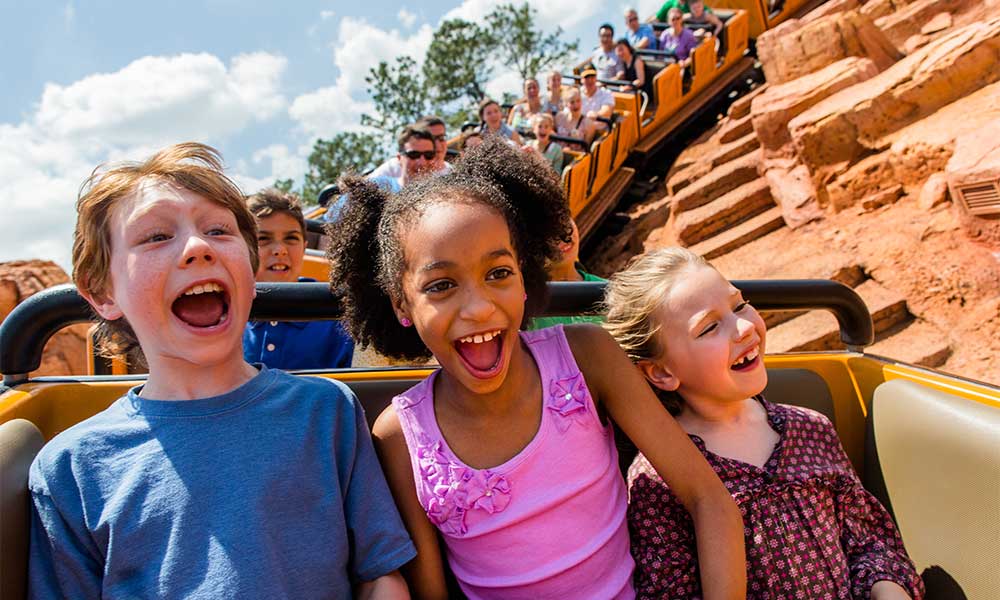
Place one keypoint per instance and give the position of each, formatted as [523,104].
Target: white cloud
[326,15]
[509,81]
[128,114]
[551,13]
[142,102]
[361,46]
[406,18]
[327,111]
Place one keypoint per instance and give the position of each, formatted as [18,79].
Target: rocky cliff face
[65,354]
[858,160]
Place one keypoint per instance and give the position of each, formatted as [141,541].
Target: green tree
[284,185]
[520,45]
[458,63]
[399,94]
[329,159]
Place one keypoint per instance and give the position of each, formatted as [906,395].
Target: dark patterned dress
[812,531]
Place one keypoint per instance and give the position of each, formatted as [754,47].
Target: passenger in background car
[678,39]
[604,59]
[640,35]
[552,102]
[526,108]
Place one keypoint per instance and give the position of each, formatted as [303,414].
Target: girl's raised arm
[425,573]
[617,385]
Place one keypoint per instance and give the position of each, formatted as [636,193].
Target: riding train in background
[926,443]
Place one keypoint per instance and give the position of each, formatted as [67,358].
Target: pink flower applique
[568,399]
[406,401]
[433,462]
[488,491]
[448,516]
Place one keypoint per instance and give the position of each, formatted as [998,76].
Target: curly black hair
[366,253]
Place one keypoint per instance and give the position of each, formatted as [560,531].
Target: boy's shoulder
[89,442]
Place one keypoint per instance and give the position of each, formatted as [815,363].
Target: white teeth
[480,338]
[201,289]
[750,356]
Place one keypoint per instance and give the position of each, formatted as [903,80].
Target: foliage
[399,94]
[329,159]
[462,58]
[284,185]
[527,49]
[458,63]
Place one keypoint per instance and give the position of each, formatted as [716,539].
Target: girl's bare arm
[425,573]
[618,386]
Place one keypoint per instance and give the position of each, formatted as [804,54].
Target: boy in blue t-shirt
[281,243]
[213,479]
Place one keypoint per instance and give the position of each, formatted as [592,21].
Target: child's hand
[888,590]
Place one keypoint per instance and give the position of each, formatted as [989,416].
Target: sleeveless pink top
[548,523]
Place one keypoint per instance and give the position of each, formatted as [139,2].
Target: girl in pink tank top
[506,454]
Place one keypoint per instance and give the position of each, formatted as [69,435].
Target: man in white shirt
[605,59]
[597,101]
[393,168]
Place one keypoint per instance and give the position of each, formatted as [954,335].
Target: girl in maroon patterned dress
[811,529]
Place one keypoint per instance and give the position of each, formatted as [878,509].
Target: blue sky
[97,81]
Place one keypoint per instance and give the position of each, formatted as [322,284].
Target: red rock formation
[796,48]
[65,354]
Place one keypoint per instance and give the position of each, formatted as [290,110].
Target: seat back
[20,441]
[940,459]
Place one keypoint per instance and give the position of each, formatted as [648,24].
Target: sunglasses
[415,154]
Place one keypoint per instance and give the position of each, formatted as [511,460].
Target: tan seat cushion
[940,457]
[20,441]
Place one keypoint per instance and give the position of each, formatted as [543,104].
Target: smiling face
[492,115]
[180,275]
[462,289]
[531,88]
[713,341]
[440,144]
[417,158]
[281,245]
[574,102]
[621,50]
[632,20]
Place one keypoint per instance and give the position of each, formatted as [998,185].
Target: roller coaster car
[925,443]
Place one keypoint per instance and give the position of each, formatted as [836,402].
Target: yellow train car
[927,444]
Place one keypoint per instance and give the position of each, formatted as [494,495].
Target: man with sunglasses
[393,167]
[416,158]
[640,35]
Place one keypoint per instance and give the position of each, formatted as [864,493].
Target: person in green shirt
[569,269]
[661,15]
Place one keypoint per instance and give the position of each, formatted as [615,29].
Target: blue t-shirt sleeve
[379,542]
[63,562]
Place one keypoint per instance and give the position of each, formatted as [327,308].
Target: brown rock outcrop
[65,354]
[857,121]
[911,19]
[796,48]
[772,110]
[790,182]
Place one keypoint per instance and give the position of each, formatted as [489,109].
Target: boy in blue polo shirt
[281,243]
[213,479]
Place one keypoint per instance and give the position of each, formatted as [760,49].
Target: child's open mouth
[202,305]
[482,353]
[747,361]
[279,268]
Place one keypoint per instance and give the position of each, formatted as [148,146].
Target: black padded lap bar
[29,326]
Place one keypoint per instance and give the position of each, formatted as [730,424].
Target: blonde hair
[632,298]
[634,295]
[535,120]
[191,166]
